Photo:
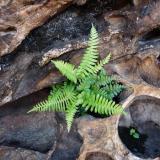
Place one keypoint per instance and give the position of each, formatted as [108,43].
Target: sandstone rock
[110,137]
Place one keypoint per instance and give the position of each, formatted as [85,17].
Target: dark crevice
[142,116]
[150,39]
[158,60]
[152,35]
[33,2]
[8,29]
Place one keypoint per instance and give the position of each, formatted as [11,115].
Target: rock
[11,153]
[22,67]
[37,131]
[110,137]
[18,18]
[131,34]
[69,144]
[42,132]
[33,131]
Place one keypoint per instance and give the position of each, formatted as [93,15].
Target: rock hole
[143,117]
[153,34]
[98,156]
[150,39]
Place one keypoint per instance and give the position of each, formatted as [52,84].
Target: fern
[99,104]
[100,65]
[70,113]
[66,69]
[58,100]
[91,55]
[88,87]
[113,90]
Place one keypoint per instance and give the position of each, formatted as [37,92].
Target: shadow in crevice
[143,116]
[150,39]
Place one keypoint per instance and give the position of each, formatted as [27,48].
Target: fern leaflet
[70,113]
[98,104]
[59,101]
[66,69]
[91,55]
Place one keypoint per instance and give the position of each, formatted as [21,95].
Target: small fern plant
[88,87]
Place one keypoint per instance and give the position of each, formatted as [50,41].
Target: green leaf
[91,55]
[132,131]
[99,104]
[100,65]
[66,69]
[136,136]
[58,99]
[70,113]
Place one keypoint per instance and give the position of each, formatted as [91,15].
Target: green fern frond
[91,55]
[100,65]
[86,82]
[113,90]
[55,92]
[103,79]
[99,104]
[46,106]
[70,113]
[66,69]
[88,87]
[109,92]
[58,101]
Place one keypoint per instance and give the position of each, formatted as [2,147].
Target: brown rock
[19,17]
[110,137]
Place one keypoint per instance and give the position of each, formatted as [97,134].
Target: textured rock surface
[10,153]
[36,132]
[45,133]
[19,17]
[20,72]
[130,31]
[101,136]
[132,48]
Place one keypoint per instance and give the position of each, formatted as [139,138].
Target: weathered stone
[11,153]
[43,132]
[18,18]
[68,145]
[33,131]
[131,34]
[20,72]
[109,135]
